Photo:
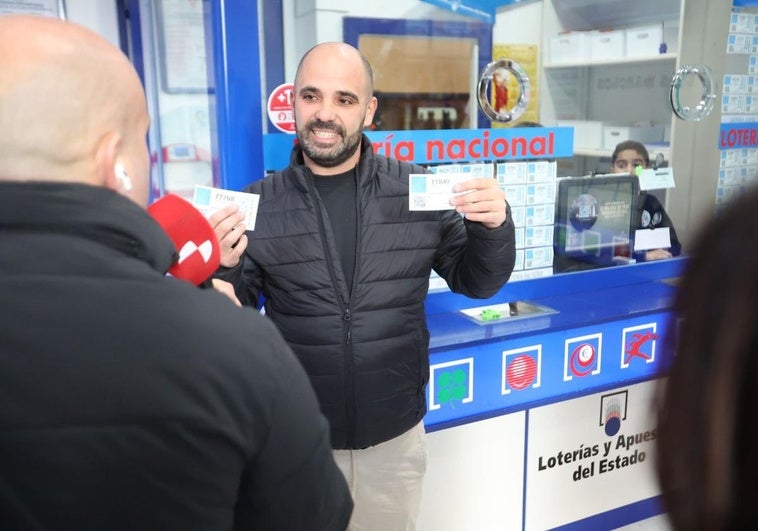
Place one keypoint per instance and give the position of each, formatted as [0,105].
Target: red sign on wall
[280,107]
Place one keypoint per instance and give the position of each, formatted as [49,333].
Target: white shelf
[581,14]
[620,61]
[615,90]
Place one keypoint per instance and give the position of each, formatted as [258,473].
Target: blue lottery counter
[540,401]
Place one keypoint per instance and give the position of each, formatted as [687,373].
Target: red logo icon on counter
[582,356]
[639,344]
[522,368]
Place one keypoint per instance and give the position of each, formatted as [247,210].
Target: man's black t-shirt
[338,195]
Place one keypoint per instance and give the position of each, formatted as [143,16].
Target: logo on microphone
[188,249]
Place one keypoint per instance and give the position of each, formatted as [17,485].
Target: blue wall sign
[480,9]
[738,135]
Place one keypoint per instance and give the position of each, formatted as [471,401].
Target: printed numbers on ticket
[208,200]
[433,191]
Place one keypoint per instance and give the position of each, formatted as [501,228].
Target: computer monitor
[593,221]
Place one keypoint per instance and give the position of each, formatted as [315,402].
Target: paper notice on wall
[30,7]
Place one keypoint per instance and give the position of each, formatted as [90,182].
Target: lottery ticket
[433,191]
[208,200]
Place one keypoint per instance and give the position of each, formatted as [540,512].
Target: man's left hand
[227,289]
[485,202]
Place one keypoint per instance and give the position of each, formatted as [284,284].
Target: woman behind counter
[627,156]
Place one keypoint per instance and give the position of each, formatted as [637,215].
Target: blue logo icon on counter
[613,411]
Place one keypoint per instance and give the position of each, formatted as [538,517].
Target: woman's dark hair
[631,144]
[707,436]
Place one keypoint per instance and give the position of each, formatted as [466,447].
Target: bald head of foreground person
[72,108]
[129,399]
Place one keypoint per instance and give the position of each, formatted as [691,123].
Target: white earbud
[122,176]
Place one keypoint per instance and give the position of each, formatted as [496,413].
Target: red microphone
[193,237]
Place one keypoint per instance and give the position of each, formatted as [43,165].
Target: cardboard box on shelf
[608,45]
[588,134]
[647,134]
[570,47]
[643,41]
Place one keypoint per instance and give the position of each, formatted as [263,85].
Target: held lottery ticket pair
[426,192]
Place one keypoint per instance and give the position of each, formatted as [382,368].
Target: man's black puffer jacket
[366,352]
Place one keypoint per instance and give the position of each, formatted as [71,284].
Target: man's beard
[328,157]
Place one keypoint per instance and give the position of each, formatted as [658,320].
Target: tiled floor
[657,523]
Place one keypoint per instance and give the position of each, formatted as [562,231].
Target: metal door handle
[705,105]
[487,77]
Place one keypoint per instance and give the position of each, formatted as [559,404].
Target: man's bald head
[71,106]
[339,51]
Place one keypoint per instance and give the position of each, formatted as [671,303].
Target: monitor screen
[593,221]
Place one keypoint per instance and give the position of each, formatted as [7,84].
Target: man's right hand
[228,224]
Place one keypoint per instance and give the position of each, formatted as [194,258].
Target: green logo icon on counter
[451,385]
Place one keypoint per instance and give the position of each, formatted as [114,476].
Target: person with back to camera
[344,267]
[128,400]
[706,435]
[627,156]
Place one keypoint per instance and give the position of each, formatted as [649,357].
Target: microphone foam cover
[193,237]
